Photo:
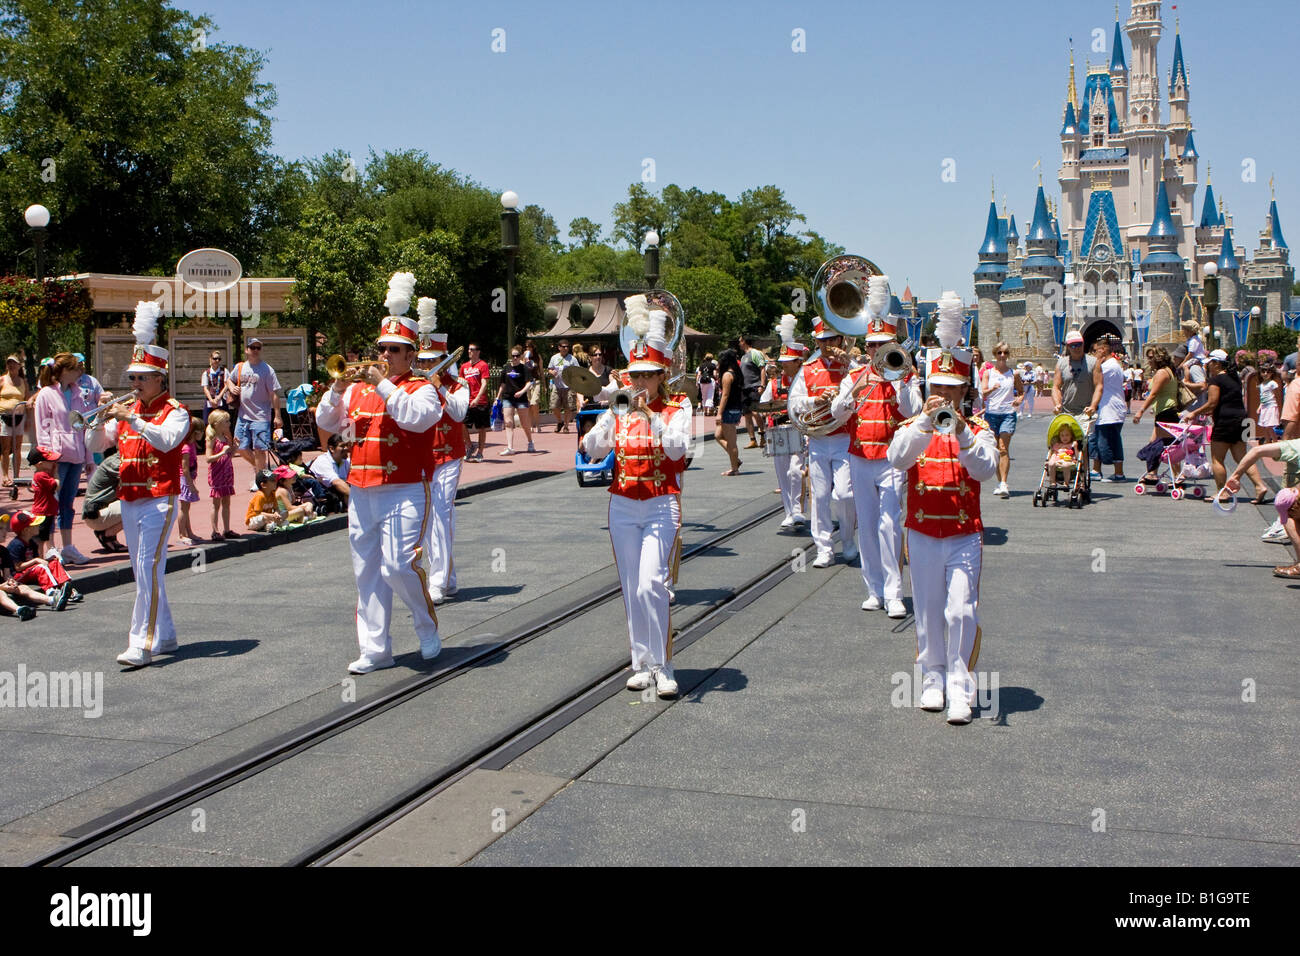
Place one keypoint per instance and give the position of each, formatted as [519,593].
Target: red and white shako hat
[147,357]
[821,330]
[396,328]
[790,349]
[882,327]
[948,364]
[649,350]
[433,344]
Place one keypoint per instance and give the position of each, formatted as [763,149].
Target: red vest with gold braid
[875,419]
[147,472]
[386,454]
[448,439]
[780,393]
[641,469]
[818,377]
[943,500]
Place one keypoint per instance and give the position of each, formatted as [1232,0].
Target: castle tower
[1146,140]
[1209,231]
[1119,70]
[989,276]
[1229,274]
[1165,280]
[1071,143]
[1179,121]
[1043,276]
[1270,276]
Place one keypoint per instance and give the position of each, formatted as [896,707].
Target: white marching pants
[789,477]
[945,598]
[831,491]
[876,493]
[387,528]
[442,529]
[644,536]
[146,525]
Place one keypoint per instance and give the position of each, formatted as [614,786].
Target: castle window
[1096,139]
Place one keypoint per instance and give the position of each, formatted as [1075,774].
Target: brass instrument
[945,420]
[840,293]
[339,368]
[624,400]
[892,362]
[81,421]
[443,363]
[818,422]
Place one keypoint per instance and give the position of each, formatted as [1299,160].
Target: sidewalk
[554,454]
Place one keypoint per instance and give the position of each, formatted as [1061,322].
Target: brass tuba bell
[840,293]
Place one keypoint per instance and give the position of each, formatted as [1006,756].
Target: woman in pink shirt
[60,395]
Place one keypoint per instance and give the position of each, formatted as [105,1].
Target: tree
[713,300]
[641,213]
[585,231]
[143,135]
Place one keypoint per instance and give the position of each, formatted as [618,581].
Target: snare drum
[782,440]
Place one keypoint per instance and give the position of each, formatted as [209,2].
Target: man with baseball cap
[254,383]
[1076,385]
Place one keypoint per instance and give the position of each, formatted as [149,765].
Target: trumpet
[623,401]
[945,420]
[81,421]
[339,368]
[892,362]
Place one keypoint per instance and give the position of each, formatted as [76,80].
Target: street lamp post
[37,218]
[1210,297]
[651,259]
[510,243]
[1135,310]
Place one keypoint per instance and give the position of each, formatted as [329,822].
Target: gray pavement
[1120,637]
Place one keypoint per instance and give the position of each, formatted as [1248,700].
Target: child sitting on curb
[47,576]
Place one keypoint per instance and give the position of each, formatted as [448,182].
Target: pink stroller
[1186,450]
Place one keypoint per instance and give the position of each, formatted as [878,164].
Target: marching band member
[149,434]
[877,407]
[448,453]
[650,442]
[818,382]
[943,514]
[385,414]
[790,464]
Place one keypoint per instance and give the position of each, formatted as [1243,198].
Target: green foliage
[585,231]
[1276,337]
[714,300]
[38,317]
[143,135]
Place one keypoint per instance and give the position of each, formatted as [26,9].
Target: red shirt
[476,373]
[45,492]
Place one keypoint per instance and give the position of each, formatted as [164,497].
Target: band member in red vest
[787,441]
[877,407]
[149,433]
[386,414]
[449,444]
[943,515]
[828,455]
[650,443]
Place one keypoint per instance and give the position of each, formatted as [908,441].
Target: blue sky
[856,130]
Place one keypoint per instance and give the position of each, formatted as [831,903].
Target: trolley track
[526,735]
[224,775]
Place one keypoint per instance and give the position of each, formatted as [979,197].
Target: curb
[200,555]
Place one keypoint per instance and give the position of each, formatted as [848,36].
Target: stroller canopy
[1064,419]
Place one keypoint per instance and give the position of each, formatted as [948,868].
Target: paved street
[1117,639]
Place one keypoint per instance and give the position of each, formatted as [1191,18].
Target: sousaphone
[840,293]
[666,302]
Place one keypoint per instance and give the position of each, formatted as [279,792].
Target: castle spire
[1041,229]
[1275,224]
[1070,96]
[993,241]
[1117,63]
[1208,217]
[1227,257]
[1179,68]
[1162,226]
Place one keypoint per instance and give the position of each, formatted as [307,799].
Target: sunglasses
[515,355]
[1001,353]
[382,349]
[138,378]
[254,348]
[643,374]
[473,348]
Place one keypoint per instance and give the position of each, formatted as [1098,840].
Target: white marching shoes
[932,698]
[824,560]
[364,665]
[959,711]
[135,657]
[665,685]
[896,609]
[640,680]
[872,604]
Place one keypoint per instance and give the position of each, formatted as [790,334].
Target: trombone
[89,419]
[443,363]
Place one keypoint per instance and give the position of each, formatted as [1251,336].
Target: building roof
[1179,68]
[1012,233]
[991,268]
[994,241]
[1104,152]
[1210,215]
[907,293]
[1189,149]
[1041,261]
[1098,84]
[1227,257]
[1012,282]
[1117,51]
[1041,228]
[1278,241]
[1101,224]
[1071,124]
[1162,226]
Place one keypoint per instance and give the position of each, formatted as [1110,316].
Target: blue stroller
[591,472]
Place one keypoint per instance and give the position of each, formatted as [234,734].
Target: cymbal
[581,380]
[769,408]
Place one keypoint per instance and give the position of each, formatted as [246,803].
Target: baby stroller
[1064,475]
[1187,450]
[600,471]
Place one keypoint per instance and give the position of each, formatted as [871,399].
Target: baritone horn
[338,368]
[81,421]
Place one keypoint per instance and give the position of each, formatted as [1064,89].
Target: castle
[1125,237]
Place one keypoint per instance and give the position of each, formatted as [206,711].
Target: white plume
[638,315]
[400,289]
[428,310]
[878,295]
[146,322]
[658,329]
[786,328]
[949,325]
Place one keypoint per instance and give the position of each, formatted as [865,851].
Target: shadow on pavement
[724,679]
[994,536]
[1015,700]
[484,593]
[196,649]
